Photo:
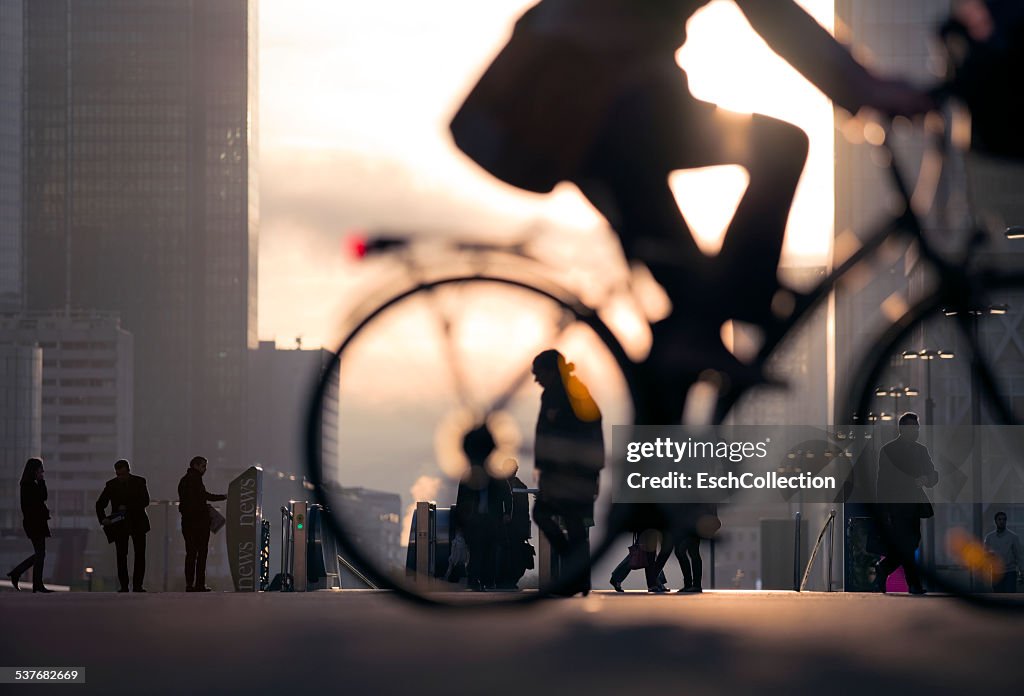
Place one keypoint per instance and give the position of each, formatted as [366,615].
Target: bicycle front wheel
[411,378]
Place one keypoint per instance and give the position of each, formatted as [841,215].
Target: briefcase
[217,520]
[115,525]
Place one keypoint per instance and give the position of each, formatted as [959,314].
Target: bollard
[423,545]
[300,570]
[286,525]
[796,555]
[543,561]
[831,546]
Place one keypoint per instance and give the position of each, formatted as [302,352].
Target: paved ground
[373,643]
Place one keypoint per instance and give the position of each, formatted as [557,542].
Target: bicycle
[962,283]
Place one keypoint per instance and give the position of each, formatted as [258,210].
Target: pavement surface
[372,642]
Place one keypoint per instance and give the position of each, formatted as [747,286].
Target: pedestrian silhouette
[695,522]
[193,504]
[1004,547]
[34,515]
[128,498]
[904,467]
[589,91]
[515,554]
[483,507]
[625,567]
[569,456]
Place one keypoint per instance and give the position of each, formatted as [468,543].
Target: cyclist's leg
[658,127]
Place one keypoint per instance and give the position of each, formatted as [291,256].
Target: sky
[355,99]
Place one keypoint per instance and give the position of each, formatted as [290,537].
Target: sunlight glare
[707,198]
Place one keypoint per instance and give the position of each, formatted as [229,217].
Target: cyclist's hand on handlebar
[898,98]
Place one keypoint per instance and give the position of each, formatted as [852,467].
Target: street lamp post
[927,355]
[972,315]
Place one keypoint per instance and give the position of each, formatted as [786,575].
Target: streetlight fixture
[927,355]
[989,310]
[1015,232]
[895,393]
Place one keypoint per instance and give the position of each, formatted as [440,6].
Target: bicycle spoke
[523,377]
[451,353]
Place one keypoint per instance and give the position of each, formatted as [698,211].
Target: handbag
[638,557]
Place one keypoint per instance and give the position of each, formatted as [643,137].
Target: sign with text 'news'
[245,515]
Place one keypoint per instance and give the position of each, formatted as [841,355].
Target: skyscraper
[12,50]
[21,371]
[140,197]
[281,383]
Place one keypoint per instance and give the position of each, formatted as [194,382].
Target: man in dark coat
[483,506]
[904,468]
[193,500]
[128,498]
[569,455]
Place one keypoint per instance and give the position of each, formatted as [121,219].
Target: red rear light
[355,245]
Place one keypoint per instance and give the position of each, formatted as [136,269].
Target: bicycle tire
[564,300]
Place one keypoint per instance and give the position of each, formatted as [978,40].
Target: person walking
[193,499]
[128,498]
[904,468]
[34,515]
[625,567]
[1005,547]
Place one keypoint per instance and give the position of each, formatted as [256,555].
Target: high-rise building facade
[12,49]
[281,384]
[21,374]
[141,198]
[86,405]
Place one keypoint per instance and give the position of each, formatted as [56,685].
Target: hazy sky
[355,98]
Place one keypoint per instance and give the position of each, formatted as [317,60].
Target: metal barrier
[285,576]
[264,555]
[167,505]
[830,527]
[309,556]
[796,554]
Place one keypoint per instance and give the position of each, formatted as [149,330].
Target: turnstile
[309,553]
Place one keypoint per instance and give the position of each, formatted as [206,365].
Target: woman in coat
[34,516]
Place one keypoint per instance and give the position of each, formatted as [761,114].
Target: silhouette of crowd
[125,525]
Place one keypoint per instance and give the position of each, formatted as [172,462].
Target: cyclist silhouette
[588,91]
